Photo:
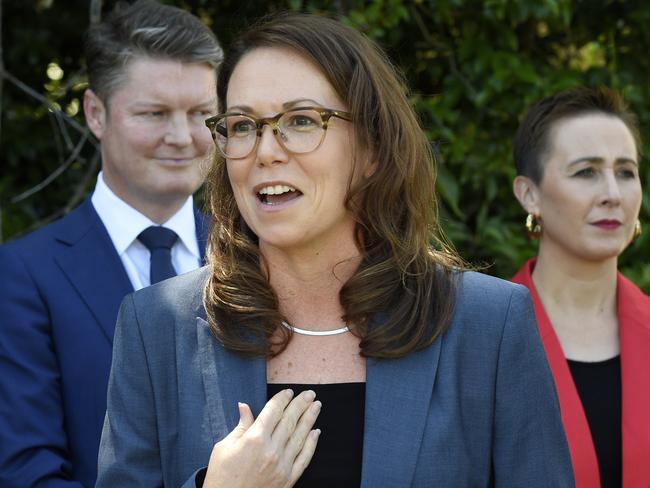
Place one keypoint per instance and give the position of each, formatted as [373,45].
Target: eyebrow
[157,104]
[599,160]
[285,105]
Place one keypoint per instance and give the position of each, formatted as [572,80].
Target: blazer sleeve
[33,442]
[530,447]
[129,453]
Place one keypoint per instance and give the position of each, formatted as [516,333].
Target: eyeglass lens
[299,131]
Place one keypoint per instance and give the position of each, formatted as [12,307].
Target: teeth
[276,190]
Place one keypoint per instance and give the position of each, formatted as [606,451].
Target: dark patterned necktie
[159,240]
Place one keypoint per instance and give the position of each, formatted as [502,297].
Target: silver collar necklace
[306,332]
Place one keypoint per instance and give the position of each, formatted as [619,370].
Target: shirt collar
[124,223]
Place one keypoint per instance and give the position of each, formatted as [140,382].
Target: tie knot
[158,237]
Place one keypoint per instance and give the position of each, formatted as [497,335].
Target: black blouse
[599,388]
[337,460]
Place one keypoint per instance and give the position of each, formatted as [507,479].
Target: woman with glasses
[577,157]
[334,339]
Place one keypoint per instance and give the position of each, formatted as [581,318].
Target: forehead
[265,78]
[595,135]
[166,81]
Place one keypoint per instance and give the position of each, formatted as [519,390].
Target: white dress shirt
[124,224]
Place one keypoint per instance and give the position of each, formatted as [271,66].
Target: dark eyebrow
[285,105]
[298,101]
[598,160]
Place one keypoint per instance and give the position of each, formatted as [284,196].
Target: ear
[95,112]
[527,193]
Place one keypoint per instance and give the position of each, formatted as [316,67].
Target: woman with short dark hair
[577,157]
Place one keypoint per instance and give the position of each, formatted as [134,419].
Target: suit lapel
[89,260]
[228,378]
[634,323]
[574,420]
[398,396]
[202,231]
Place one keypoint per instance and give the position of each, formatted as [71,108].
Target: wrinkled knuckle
[256,441]
[272,459]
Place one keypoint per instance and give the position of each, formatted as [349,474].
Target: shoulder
[40,242]
[632,292]
[486,308]
[178,299]
[487,293]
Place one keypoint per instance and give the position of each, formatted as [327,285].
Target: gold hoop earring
[637,230]
[533,226]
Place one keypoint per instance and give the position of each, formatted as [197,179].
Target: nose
[611,189]
[269,149]
[179,131]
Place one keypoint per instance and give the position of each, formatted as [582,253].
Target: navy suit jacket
[477,408]
[60,294]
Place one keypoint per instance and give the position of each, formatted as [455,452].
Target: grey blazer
[477,408]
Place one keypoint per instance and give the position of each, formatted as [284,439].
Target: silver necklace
[306,332]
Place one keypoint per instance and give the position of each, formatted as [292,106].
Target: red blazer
[634,323]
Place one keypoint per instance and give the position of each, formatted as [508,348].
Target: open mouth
[277,194]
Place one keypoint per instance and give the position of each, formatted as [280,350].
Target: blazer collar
[634,325]
[398,396]
[89,260]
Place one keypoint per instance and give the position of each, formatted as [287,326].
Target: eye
[585,173]
[241,127]
[626,173]
[153,114]
[301,121]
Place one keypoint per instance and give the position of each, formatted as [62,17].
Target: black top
[337,460]
[599,387]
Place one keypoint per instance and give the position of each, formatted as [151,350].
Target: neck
[572,283]
[308,283]
[158,210]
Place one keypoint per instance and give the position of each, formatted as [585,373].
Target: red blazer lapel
[634,323]
[576,427]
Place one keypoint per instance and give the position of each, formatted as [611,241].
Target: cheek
[202,138]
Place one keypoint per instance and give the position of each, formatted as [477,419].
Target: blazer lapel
[576,427]
[634,323]
[89,260]
[398,396]
[228,378]
[202,222]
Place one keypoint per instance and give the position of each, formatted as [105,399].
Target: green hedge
[473,68]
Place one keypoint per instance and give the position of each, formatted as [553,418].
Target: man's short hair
[533,139]
[145,28]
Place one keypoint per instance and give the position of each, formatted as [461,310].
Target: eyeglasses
[299,130]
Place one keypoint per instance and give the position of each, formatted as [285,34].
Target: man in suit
[152,83]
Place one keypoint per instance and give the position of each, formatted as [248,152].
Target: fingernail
[317,405]
[316,433]
[310,395]
[289,392]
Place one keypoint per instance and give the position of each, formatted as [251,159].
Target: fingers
[286,427]
[272,413]
[299,436]
[304,457]
[246,419]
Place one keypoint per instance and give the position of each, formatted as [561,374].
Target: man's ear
[527,193]
[95,112]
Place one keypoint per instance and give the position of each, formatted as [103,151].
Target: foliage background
[473,67]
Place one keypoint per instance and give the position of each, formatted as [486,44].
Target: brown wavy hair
[402,295]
